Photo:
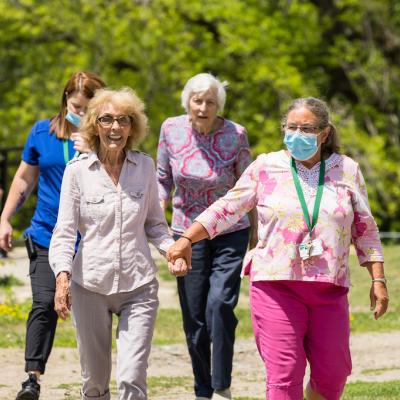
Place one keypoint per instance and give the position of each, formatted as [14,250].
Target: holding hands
[179,257]
[178,268]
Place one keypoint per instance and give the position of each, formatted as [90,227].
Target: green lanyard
[301,195]
[66,152]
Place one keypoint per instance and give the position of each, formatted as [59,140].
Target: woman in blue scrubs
[49,147]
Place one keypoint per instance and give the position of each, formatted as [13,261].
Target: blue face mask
[301,147]
[75,119]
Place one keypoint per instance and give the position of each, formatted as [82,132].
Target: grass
[359,292]
[389,390]
[169,322]
[8,281]
[159,385]
[378,371]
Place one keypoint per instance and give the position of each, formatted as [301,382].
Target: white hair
[201,83]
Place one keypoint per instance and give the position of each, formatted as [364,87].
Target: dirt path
[376,357]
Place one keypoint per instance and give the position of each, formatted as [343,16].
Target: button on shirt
[344,218]
[116,224]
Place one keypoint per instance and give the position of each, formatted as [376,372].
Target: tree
[344,51]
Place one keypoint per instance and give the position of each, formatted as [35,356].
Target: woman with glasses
[49,147]
[312,204]
[110,196]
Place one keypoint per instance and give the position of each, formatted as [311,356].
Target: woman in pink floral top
[200,157]
[299,269]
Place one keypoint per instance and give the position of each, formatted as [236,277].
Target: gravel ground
[376,357]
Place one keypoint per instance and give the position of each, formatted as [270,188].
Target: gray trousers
[92,314]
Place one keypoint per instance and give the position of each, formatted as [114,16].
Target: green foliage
[271,52]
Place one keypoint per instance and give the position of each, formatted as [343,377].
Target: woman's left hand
[79,143]
[62,297]
[379,299]
[178,268]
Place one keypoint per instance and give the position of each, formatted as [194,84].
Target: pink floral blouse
[344,217]
[199,169]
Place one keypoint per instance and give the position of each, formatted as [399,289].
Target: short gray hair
[201,83]
[321,111]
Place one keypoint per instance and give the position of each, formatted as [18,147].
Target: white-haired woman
[200,157]
[110,196]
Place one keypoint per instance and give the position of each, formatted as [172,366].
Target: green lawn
[169,322]
[159,385]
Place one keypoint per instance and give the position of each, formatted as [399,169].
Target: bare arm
[253,217]
[378,294]
[24,181]
[182,248]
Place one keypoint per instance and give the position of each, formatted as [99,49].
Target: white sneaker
[202,398]
[223,394]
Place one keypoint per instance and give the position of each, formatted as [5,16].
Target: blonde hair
[124,99]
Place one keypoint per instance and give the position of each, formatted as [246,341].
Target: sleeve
[30,153]
[164,171]
[244,156]
[156,226]
[62,245]
[364,230]
[229,209]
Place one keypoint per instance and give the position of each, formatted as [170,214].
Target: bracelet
[188,238]
[383,280]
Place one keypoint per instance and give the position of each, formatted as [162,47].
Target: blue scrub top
[44,150]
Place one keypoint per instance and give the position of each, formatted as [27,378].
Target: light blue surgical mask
[301,146]
[75,119]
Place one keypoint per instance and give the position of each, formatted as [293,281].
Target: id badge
[310,249]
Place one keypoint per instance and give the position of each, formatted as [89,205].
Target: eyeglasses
[302,128]
[106,121]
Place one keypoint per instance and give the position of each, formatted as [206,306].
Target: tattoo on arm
[21,200]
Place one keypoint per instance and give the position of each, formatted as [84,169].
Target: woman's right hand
[62,297]
[79,143]
[182,248]
[6,235]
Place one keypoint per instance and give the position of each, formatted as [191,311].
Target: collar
[131,156]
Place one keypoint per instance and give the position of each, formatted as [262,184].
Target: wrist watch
[383,280]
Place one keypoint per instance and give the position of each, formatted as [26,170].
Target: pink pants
[298,321]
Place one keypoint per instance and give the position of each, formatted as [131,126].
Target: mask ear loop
[323,143]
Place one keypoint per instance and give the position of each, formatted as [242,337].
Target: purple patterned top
[201,168]
[344,218]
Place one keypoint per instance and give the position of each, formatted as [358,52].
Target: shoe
[223,394]
[30,389]
[203,398]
